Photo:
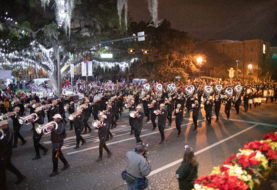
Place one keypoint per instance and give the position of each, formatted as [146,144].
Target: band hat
[57,116]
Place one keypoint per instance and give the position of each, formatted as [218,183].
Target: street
[212,145]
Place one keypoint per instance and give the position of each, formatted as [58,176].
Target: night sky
[216,19]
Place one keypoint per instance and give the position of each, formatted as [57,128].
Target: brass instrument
[208,90]
[159,87]
[238,89]
[2,134]
[171,87]
[146,86]
[71,117]
[229,92]
[47,128]
[133,114]
[218,88]
[97,124]
[190,90]
[157,112]
[26,120]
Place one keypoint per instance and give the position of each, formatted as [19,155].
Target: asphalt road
[212,145]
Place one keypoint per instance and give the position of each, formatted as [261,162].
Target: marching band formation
[158,103]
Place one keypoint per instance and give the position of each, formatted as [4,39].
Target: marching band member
[78,126]
[6,153]
[178,117]
[145,102]
[86,114]
[138,122]
[16,128]
[102,134]
[36,136]
[228,102]
[57,138]
[217,105]
[132,107]
[208,106]
[169,110]
[237,102]
[71,110]
[152,107]
[162,115]
[54,109]
[195,111]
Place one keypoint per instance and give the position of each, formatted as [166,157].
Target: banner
[84,70]
[90,72]
[72,70]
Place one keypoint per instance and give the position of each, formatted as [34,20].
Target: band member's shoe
[53,174]
[45,151]
[20,179]
[109,154]
[24,142]
[36,158]
[66,167]
[83,142]
[99,159]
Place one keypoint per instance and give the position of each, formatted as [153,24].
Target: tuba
[47,128]
[218,88]
[229,92]
[208,90]
[146,86]
[190,90]
[26,120]
[159,87]
[238,89]
[171,87]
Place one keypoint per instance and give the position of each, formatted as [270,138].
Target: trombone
[26,120]
[47,128]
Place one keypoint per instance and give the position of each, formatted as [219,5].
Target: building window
[251,59]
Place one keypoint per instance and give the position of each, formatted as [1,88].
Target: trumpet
[71,117]
[133,114]
[45,107]
[157,112]
[26,120]
[97,124]
[47,128]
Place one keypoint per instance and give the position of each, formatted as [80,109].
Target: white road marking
[124,140]
[158,170]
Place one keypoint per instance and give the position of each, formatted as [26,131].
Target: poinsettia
[221,181]
[272,136]
[264,147]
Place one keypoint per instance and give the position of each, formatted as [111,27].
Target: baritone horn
[47,128]
[26,120]
[97,124]
[133,114]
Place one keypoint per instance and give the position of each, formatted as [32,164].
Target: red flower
[272,136]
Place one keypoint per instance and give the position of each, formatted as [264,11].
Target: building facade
[249,56]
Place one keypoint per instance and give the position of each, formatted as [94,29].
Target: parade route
[212,145]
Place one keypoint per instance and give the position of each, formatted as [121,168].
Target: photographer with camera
[138,168]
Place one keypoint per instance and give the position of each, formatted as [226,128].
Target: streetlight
[250,69]
[199,60]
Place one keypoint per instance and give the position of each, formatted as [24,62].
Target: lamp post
[199,60]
